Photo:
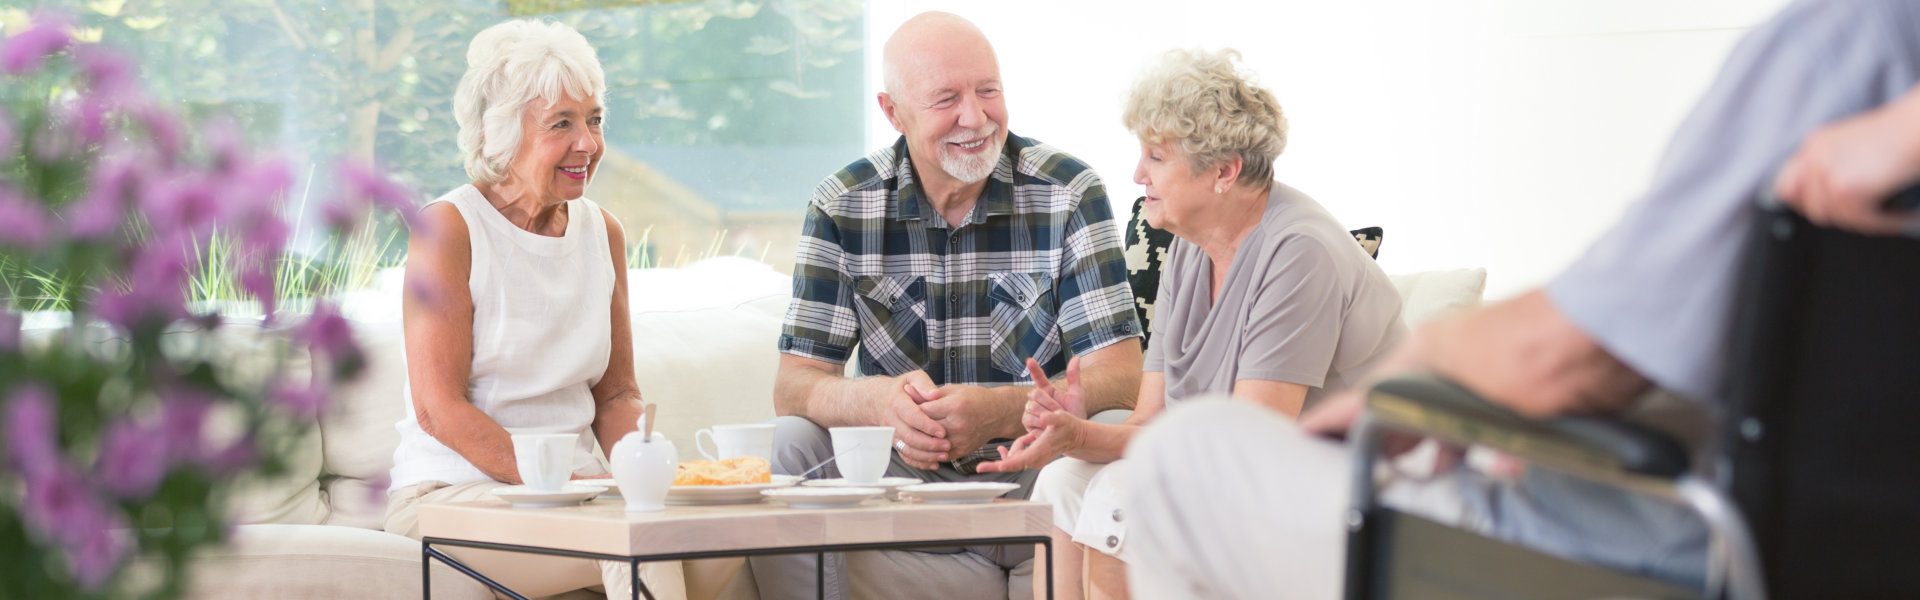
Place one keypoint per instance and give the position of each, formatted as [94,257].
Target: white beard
[972,168]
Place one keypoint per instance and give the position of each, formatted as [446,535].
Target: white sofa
[704,349]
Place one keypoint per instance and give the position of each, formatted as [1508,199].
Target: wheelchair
[1811,488]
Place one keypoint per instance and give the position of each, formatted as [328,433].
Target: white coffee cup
[731,441]
[862,452]
[545,460]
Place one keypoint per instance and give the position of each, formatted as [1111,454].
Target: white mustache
[970,135]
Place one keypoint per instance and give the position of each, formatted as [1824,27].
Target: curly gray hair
[508,66]
[1208,103]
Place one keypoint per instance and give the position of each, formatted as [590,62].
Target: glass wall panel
[722,114]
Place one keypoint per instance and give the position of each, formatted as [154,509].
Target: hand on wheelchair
[1842,172]
[1337,414]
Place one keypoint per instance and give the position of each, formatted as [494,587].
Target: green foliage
[324,79]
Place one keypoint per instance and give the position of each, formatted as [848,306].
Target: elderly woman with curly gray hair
[1264,297]
[516,317]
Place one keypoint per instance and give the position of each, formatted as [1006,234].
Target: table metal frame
[428,554]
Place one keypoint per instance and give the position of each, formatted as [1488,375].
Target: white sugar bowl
[644,469]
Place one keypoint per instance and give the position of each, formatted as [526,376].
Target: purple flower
[229,146]
[31,431]
[340,217]
[58,504]
[155,284]
[9,331]
[119,307]
[109,73]
[61,506]
[183,419]
[367,188]
[264,237]
[258,282]
[163,128]
[88,115]
[304,401]
[255,188]
[366,182]
[101,553]
[116,184]
[23,222]
[183,205]
[23,53]
[330,336]
[241,454]
[327,331]
[132,460]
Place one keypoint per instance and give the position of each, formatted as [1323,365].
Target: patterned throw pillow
[1147,252]
[1369,238]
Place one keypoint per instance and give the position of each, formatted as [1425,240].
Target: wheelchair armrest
[1435,406]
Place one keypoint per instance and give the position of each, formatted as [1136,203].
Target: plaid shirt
[1036,270]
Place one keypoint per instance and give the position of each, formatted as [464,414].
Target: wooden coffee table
[603,530]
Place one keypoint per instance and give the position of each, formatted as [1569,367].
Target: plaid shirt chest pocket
[893,313]
[1024,318]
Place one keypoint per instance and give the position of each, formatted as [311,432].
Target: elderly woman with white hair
[1264,297]
[516,305]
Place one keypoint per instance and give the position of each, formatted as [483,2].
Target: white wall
[1496,133]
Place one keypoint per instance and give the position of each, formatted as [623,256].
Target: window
[722,114]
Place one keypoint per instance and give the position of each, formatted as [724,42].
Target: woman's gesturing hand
[1046,398]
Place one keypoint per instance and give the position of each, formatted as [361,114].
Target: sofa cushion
[292,497]
[321,562]
[704,343]
[357,429]
[1430,294]
[250,353]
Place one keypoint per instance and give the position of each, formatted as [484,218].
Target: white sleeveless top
[542,335]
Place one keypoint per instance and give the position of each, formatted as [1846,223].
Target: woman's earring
[1219,189]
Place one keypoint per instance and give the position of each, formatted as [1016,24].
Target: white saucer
[568,495]
[744,493]
[890,484]
[612,487]
[822,497]
[959,492]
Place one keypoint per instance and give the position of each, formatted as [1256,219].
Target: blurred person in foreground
[1647,307]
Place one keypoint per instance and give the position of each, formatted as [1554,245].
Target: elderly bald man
[950,259]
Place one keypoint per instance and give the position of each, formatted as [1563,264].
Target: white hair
[1210,104]
[508,66]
